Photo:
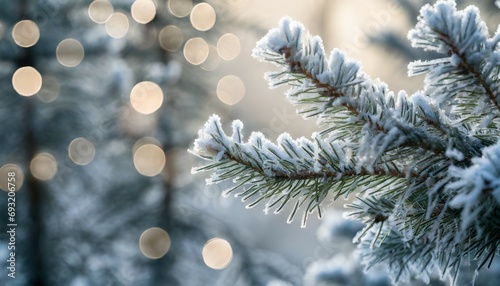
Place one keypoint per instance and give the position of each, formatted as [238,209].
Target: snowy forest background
[99,173]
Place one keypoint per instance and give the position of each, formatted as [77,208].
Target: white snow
[454,154]
[473,181]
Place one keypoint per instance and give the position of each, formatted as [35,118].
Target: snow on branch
[464,38]
[342,97]
[402,258]
[425,166]
[303,169]
[306,68]
[476,185]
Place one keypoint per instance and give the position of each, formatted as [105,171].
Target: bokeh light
[217,253]
[51,88]
[180,8]
[43,166]
[26,33]
[117,25]
[203,17]
[81,151]
[146,97]
[213,59]
[143,11]
[149,160]
[26,81]
[171,38]
[154,243]
[18,180]
[230,89]
[196,51]
[70,52]
[100,11]
[229,46]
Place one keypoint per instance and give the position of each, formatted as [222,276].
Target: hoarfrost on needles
[422,164]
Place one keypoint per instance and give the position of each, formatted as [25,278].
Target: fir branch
[340,83]
[260,167]
[426,174]
[402,258]
[368,103]
[464,38]
[475,185]
[470,68]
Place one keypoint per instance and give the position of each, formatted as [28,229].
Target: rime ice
[425,167]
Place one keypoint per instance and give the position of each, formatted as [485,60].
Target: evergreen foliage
[82,227]
[424,167]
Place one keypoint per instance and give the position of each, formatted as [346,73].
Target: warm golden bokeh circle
[143,11]
[81,151]
[26,33]
[196,51]
[230,89]
[100,11]
[203,17]
[117,25]
[146,97]
[27,81]
[43,166]
[217,253]
[171,38]
[70,52]
[149,160]
[154,243]
[229,46]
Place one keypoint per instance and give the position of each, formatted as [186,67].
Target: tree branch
[418,137]
[466,66]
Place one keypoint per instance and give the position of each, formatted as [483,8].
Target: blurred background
[99,103]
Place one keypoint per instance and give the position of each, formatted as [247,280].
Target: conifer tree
[80,222]
[423,167]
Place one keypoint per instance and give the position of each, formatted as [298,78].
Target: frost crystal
[425,167]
